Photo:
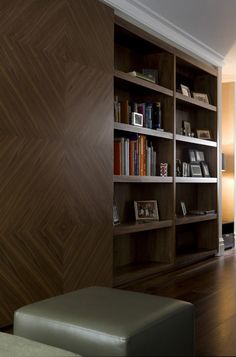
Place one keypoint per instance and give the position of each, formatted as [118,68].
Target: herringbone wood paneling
[56,99]
[88,176]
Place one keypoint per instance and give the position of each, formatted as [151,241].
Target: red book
[117,157]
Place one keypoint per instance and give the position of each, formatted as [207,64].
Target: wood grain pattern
[55,149]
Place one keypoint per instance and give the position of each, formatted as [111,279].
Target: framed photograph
[183,207]
[146,211]
[192,156]
[187,128]
[195,170]
[205,169]
[116,219]
[199,155]
[137,119]
[204,134]
[184,169]
[185,90]
[201,96]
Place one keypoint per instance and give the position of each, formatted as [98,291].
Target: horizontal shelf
[196,102]
[140,227]
[194,219]
[142,179]
[141,82]
[196,180]
[183,259]
[142,130]
[188,139]
[131,272]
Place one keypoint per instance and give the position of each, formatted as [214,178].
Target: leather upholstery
[14,346]
[99,321]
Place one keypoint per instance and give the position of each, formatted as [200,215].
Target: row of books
[134,156]
[151,113]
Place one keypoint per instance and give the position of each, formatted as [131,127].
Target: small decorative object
[199,155]
[203,134]
[146,211]
[116,219]
[184,169]
[185,90]
[192,156]
[192,134]
[163,169]
[178,168]
[152,74]
[137,119]
[195,170]
[205,169]
[187,128]
[201,96]
[184,211]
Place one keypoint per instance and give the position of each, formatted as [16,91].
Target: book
[124,111]
[142,76]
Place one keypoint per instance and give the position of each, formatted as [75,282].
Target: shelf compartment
[142,179]
[141,82]
[131,272]
[144,131]
[196,180]
[195,219]
[195,102]
[196,141]
[185,259]
[140,227]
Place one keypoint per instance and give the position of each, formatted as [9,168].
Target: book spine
[124,109]
[117,157]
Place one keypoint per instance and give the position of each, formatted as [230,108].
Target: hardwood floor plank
[210,286]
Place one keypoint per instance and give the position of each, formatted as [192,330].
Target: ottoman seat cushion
[14,346]
[99,321]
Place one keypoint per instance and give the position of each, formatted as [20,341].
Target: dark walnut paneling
[90,34]
[88,175]
[39,24]
[56,115]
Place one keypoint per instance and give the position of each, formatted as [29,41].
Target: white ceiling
[206,27]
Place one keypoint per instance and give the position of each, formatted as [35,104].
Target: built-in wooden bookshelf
[144,249]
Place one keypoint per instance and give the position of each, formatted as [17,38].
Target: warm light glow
[227,197]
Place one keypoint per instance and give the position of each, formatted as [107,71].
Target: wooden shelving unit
[145,249]
[140,227]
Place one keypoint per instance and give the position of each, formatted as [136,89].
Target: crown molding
[139,14]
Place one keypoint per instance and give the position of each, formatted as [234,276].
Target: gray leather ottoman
[99,321]
[14,346]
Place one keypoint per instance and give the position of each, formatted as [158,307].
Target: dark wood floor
[211,287]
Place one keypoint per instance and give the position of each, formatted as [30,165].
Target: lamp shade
[223,168]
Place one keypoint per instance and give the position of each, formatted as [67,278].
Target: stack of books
[134,156]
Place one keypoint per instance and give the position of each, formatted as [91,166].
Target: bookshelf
[144,249]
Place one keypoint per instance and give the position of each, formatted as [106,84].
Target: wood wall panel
[89,34]
[56,103]
[40,24]
[88,174]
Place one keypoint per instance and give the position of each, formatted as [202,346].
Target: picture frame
[205,169]
[185,90]
[137,119]
[192,155]
[183,207]
[146,211]
[203,97]
[199,155]
[204,134]
[187,128]
[184,169]
[116,219]
[195,170]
